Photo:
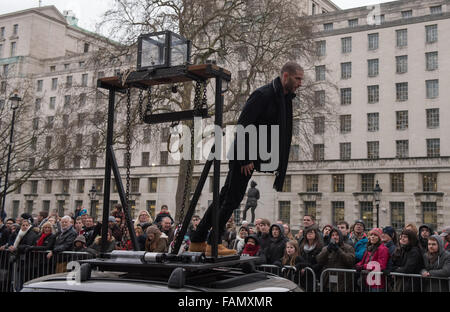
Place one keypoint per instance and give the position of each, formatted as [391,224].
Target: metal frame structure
[142,80]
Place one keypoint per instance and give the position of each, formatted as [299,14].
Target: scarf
[307,248]
[19,237]
[250,249]
[40,242]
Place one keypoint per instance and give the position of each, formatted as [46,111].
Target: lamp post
[92,196]
[15,99]
[376,195]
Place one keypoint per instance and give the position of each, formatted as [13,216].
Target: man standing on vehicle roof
[270,105]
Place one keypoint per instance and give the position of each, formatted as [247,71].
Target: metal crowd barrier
[15,269]
[307,280]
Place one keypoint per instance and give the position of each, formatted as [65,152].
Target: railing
[305,278]
[15,269]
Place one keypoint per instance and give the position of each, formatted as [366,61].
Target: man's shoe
[197,247]
[221,251]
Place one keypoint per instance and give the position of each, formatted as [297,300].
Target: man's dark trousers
[230,198]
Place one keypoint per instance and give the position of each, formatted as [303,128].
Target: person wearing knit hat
[79,244]
[389,239]
[375,252]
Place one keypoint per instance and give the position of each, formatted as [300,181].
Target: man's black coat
[268,105]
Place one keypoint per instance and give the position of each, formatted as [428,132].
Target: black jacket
[48,244]
[64,241]
[28,240]
[275,251]
[4,235]
[267,106]
[423,242]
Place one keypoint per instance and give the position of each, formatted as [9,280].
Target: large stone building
[385,77]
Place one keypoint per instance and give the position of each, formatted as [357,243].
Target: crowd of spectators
[411,251]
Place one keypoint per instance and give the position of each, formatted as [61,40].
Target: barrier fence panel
[306,279]
[6,270]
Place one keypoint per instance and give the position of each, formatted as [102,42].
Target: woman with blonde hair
[156,240]
[143,217]
[412,227]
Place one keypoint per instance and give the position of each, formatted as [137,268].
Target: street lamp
[92,196]
[376,195]
[15,99]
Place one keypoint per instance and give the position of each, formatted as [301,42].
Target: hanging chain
[148,108]
[141,101]
[128,147]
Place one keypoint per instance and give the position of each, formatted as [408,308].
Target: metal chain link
[148,108]
[141,101]
[128,146]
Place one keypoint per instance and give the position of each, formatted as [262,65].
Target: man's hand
[426,274]
[299,234]
[49,255]
[247,170]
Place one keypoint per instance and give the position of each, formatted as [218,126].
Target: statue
[252,201]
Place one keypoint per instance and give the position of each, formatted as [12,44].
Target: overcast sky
[89,11]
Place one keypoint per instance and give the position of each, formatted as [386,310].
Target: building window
[338,210]
[407,14]
[13,49]
[52,68]
[35,123]
[431,33]
[353,22]
[54,83]
[436,9]
[319,125]
[153,185]
[373,94]
[67,99]
[69,80]
[373,149]
[346,123]
[397,215]
[338,183]
[99,185]
[328,26]
[320,73]
[346,70]
[151,208]
[93,161]
[367,182]
[82,99]
[48,142]
[373,67]
[29,207]
[319,98]
[397,182]
[80,186]
[284,211]
[432,88]
[2,33]
[34,186]
[401,64]
[135,185]
[48,186]
[86,48]
[372,122]
[164,158]
[345,151]
[402,38]
[401,91]
[310,209]
[65,186]
[52,102]
[402,120]
[402,148]
[367,213]
[77,162]
[50,122]
[312,183]
[294,153]
[3,87]
[432,118]
[433,148]
[321,48]
[46,205]
[165,134]
[319,152]
[15,212]
[346,45]
[84,80]
[79,140]
[346,96]
[287,184]
[1,50]
[145,159]
[432,60]
[373,41]
[429,211]
[61,162]
[15,29]
[429,181]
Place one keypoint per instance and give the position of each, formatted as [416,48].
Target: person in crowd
[25,238]
[274,252]
[344,227]
[194,223]
[446,237]
[251,246]
[263,235]
[308,221]
[436,264]
[5,231]
[144,217]
[308,251]
[359,238]
[77,212]
[407,259]
[245,224]
[84,215]
[413,227]
[230,234]
[239,242]
[291,257]
[47,239]
[55,225]
[287,231]
[141,237]
[42,218]
[326,234]
[390,241]
[375,252]
[157,241]
[166,227]
[257,224]
[337,254]
[79,228]
[96,246]
[164,212]
[425,231]
[115,229]
[64,239]
[79,244]
[14,230]
[117,211]
[91,230]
